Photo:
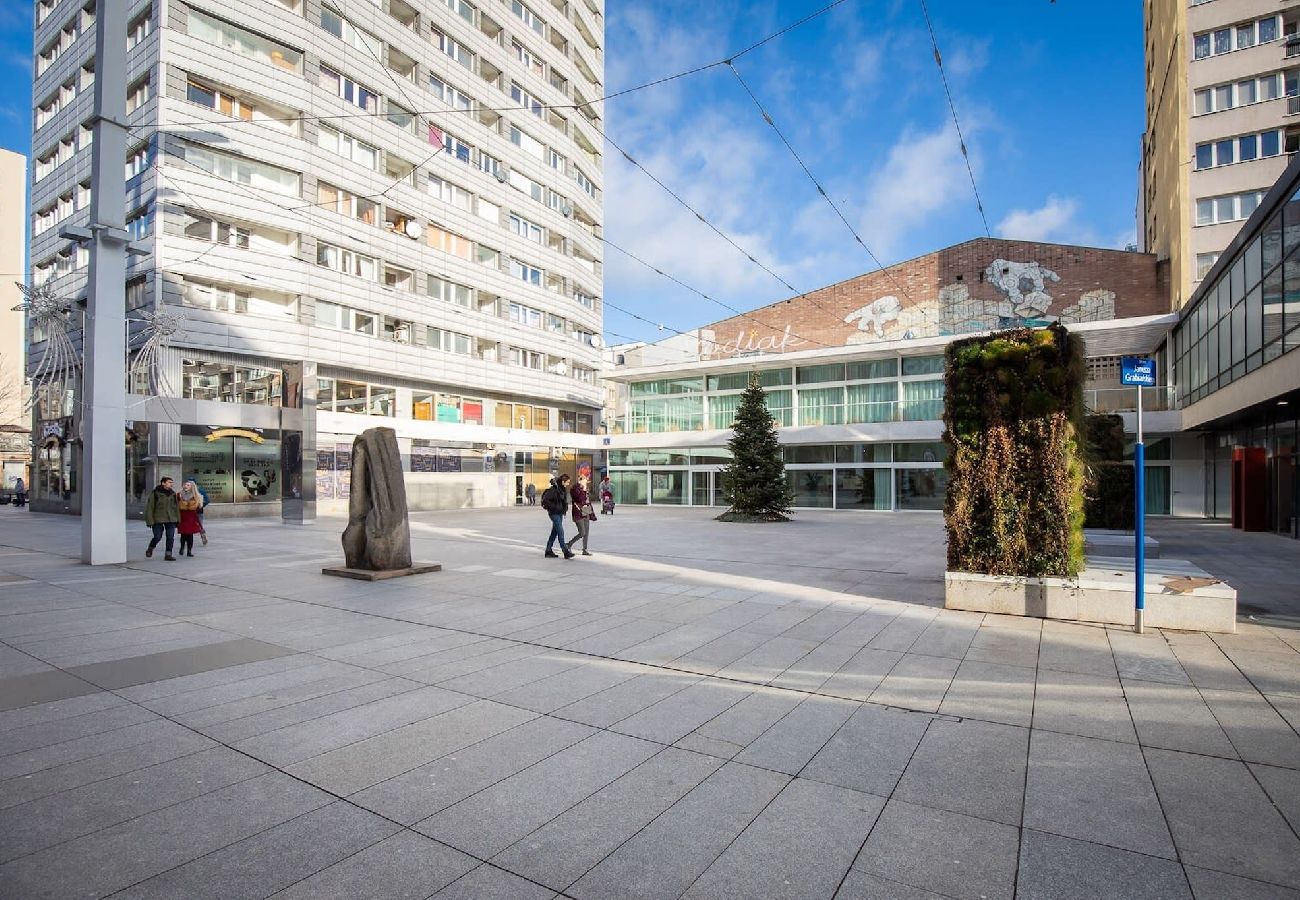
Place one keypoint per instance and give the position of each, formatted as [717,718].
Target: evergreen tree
[754,483]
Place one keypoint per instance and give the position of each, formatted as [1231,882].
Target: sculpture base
[380,574]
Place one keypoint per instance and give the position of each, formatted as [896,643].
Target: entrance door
[701,490]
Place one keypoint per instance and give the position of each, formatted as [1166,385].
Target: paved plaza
[699,710]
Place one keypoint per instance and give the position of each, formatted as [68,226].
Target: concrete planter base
[1177,595]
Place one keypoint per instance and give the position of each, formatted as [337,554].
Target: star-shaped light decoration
[161,327]
[59,360]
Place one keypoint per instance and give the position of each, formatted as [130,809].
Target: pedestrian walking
[203,495]
[606,495]
[530,494]
[555,500]
[162,514]
[583,515]
[20,491]
[190,504]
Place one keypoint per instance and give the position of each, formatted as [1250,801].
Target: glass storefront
[232,465]
[821,476]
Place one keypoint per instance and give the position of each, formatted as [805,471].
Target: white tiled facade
[405,193]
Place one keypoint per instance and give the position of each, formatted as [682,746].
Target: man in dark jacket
[162,513]
[555,500]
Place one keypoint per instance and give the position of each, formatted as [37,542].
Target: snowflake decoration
[161,327]
[59,360]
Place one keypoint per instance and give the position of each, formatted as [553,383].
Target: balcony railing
[1124,399]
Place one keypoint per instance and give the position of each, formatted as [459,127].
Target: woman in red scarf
[583,514]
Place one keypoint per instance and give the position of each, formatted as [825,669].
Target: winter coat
[580,499]
[555,500]
[189,509]
[161,507]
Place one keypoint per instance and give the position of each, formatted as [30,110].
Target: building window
[454,49]
[1205,262]
[348,147]
[525,315]
[349,262]
[140,225]
[139,29]
[526,229]
[452,97]
[526,100]
[584,182]
[205,229]
[451,342]
[521,182]
[245,43]
[138,95]
[456,148]
[351,35]
[349,90]
[525,272]
[1240,93]
[449,242]
[450,292]
[529,359]
[530,62]
[528,17]
[1242,149]
[442,189]
[346,203]
[245,171]
[1230,208]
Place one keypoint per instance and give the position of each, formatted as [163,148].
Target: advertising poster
[324,485]
[448,460]
[423,459]
[488,463]
[257,471]
[325,460]
[210,464]
[342,471]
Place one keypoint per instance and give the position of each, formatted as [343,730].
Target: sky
[1049,96]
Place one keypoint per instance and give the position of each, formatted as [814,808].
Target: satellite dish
[414,229]
[566,210]
[596,342]
[502,175]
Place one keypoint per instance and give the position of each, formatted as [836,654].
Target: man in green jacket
[162,513]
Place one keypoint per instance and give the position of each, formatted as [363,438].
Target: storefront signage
[219,433]
[55,430]
[1139,371]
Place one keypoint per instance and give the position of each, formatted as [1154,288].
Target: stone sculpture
[378,536]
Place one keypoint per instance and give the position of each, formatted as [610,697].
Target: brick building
[854,375]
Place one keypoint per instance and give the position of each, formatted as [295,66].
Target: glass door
[701,490]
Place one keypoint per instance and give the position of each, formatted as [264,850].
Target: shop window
[921,488]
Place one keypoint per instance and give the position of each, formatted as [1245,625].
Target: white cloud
[923,174]
[1056,220]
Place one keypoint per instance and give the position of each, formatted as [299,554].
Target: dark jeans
[187,544]
[158,529]
[557,532]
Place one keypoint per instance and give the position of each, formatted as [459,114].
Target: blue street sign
[1137,370]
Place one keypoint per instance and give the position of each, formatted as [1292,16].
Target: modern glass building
[854,377]
[1237,372]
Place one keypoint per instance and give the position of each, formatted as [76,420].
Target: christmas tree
[754,483]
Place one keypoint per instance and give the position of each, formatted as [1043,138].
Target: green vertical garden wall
[1014,428]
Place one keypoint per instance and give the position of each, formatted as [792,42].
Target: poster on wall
[424,459]
[257,471]
[324,485]
[488,463]
[210,464]
[325,460]
[448,460]
[342,471]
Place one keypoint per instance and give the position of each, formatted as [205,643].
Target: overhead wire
[767,117]
[952,107]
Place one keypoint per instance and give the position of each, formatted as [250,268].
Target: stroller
[606,503]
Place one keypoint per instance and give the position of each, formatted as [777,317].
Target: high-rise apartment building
[398,201]
[15,445]
[1222,86]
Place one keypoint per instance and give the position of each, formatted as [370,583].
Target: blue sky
[1049,94]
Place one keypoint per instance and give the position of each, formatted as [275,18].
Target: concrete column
[298,448]
[103,511]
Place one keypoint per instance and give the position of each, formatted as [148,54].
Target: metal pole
[103,477]
[1139,521]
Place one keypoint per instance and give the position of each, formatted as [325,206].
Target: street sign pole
[1139,522]
[1139,372]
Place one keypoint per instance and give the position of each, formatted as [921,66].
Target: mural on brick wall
[983,285]
[1026,299]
